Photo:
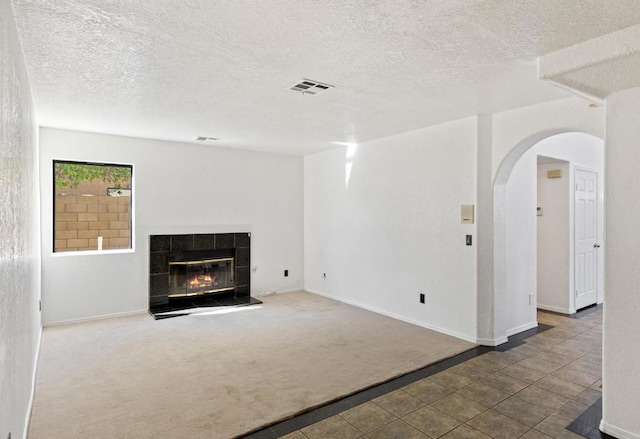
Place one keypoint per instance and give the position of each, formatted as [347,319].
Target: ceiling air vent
[308,87]
[206,139]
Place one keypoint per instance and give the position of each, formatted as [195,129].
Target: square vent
[309,87]
[206,139]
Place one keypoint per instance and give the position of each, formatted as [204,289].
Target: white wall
[578,149]
[394,231]
[178,188]
[19,237]
[553,290]
[621,380]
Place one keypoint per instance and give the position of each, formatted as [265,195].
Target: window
[92,206]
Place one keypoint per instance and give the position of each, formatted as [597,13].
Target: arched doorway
[513,310]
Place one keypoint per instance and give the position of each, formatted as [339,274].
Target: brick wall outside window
[80,219]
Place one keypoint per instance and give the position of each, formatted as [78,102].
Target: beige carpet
[218,376]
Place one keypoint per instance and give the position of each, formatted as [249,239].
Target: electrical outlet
[531,298]
[421,298]
[469,240]
[286,273]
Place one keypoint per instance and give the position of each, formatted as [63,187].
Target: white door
[586,229]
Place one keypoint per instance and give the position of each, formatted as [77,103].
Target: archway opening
[515,225]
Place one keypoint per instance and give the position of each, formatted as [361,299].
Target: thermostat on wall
[466,213]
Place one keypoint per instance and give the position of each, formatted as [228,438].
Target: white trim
[522,328]
[101,317]
[492,341]
[556,309]
[393,316]
[274,292]
[32,396]
[616,431]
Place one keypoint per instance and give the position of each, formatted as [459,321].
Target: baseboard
[492,341]
[101,317]
[393,316]
[522,328]
[557,309]
[274,292]
[33,385]
[617,432]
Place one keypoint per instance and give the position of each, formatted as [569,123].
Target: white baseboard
[271,293]
[492,341]
[522,328]
[557,309]
[617,432]
[101,317]
[33,386]
[393,316]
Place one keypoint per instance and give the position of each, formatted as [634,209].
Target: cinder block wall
[80,219]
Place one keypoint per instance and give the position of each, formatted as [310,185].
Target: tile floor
[532,391]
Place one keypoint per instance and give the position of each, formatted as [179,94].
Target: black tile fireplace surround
[234,249]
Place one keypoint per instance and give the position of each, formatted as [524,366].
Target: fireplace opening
[197,273]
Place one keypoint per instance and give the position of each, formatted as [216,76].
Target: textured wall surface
[19,256]
[383,223]
[621,380]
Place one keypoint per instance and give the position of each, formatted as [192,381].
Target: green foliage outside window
[70,175]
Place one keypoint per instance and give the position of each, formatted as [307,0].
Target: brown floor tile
[559,386]
[596,386]
[523,411]
[593,357]
[432,422]
[555,357]
[526,349]
[427,390]
[542,398]
[459,407]
[539,364]
[572,409]
[523,373]
[483,394]
[473,371]
[504,383]
[367,417]
[555,426]
[534,434]
[399,402]
[451,380]
[334,426]
[295,435]
[498,426]
[588,396]
[574,376]
[395,430]
[586,367]
[465,432]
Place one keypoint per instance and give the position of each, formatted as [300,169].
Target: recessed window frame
[131,219]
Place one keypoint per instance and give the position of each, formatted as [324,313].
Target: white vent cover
[206,139]
[309,87]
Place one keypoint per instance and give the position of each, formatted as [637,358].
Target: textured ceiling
[177,69]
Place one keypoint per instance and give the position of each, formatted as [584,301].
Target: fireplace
[199,270]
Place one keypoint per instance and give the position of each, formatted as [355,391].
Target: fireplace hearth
[191,272]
